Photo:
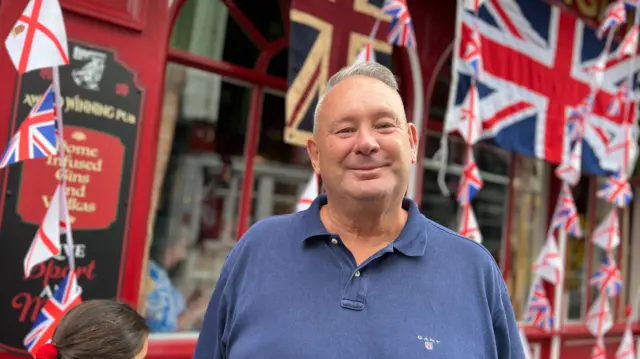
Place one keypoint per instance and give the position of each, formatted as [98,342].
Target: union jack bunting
[576,118]
[311,191]
[616,190]
[623,150]
[67,296]
[470,180]
[36,137]
[366,54]
[607,279]
[539,309]
[548,265]
[473,53]
[523,43]
[401,32]
[469,224]
[569,171]
[614,16]
[627,348]
[566,215]
[473,5]
[324,37]
[599,351]
[599,319]
[623,96]
[607,233]
[629,45]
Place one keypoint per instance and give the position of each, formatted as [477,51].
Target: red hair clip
[47,351]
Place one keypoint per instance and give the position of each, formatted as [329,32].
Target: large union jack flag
[66,296]
[537,66]
[37,135]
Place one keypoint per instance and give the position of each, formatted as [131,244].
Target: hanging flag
[522,110]
[473,53]
[614,16]
[473,5]
[616,190]
[401,32]
[622,97]
[36,137]
[470,180]
[66,296]
[607,233]
[469,224]
[599,319]
[569,171]
[627,349]
[46,243]
[539,311]
[566,215]
[525,344]
[622,149]
[597,70]
[39,38]
[469,124]
[549,265]
[607,279]
[599,351]
[629,45]
[366,54]
[310,193]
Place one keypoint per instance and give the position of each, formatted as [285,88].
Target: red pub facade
[196,149]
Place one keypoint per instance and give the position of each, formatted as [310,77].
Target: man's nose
[366,142]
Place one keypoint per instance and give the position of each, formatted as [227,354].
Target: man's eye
[345,130]
[385,125]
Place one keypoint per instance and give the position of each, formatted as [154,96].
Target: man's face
[363,145]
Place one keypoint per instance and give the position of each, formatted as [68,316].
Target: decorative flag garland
[38,40]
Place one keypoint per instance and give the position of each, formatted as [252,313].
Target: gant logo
[429,343]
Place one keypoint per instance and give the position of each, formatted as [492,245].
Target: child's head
[101,329]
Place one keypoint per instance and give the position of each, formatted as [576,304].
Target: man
[361,274]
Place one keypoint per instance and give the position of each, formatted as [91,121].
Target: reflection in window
[489,204]
[527,227]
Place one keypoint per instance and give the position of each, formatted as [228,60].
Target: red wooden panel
[127,13]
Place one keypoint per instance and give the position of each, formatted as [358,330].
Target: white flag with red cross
[38,39]
[607,233]
[310,193]
[599,318]
[46,243]
[549,263]
[627,348]
[366,54]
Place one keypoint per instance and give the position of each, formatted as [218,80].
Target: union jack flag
[539,309]
[614,16]
[629,45]
[537,64]
[569,171]
[622,97]
[470,181]
[566,215]
[401,32]
[473,5]
[627,348]
[67,296]
[608,279]
[473,53]
[468,226]
[37,136]
[599,351]
[616,190]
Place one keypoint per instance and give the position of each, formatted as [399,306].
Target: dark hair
[100,329]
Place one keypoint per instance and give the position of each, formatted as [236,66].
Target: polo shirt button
[357,274]
[334,241]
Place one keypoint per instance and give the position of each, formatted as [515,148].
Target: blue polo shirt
[291,290]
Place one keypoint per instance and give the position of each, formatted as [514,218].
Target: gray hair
[370,69]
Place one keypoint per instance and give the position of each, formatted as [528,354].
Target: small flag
[470,124]
[46,243]
[622,150]
[616,190]
[627,349]
[570,170]
[37,136]
[310,193]
[629,45]
[473,53]
[614,16]
[607,279]
[38,39]
[548,265]
[607,233]
[622,97]
[566,215]
[469,225]
[597,70]
[473,5]
[401,32]
[599,319]
[539,311]
[366,54]
[470,180]
[599,350]
[67,296]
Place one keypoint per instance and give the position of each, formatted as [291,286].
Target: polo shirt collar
[412,241]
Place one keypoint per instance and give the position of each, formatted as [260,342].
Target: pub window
[489,204]
[527,225]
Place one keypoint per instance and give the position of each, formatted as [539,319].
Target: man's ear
[413,141]
[314,154]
